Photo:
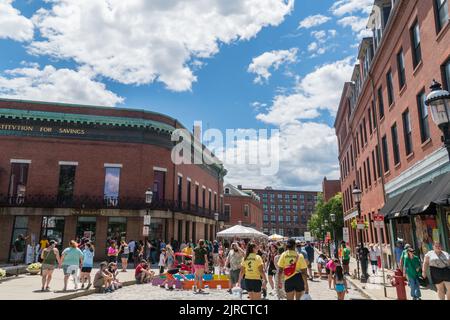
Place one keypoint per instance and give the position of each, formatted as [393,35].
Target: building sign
[145,231]
[43,129]
[378,221]
[87,234]
[345,234]
[147,220]
[307,236]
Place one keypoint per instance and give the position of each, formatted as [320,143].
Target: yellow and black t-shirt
[251,266]
[287,258]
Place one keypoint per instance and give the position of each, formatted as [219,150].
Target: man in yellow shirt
[295,270]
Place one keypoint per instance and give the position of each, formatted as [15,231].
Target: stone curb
[360,289]
[87,292]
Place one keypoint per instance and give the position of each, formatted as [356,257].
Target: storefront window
[86,228]
[53,229]
[20,227]
[157,229]
[426,233]
[403,230]
[117,229]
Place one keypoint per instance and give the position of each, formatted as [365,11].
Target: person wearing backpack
[253,270]
[295,270]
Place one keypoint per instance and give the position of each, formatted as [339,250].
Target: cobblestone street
[318,290]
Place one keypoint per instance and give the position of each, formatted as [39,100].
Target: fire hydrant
[399,282]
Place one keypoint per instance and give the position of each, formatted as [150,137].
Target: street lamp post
[357,199]
[147,222]
[333,220]
[216,218]
[439,102]
[326,228]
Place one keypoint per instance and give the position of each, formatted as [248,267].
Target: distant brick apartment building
[389,147]
[286,212]
[330,188]
[243,207]
[67,171]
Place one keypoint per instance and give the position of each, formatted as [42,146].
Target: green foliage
[322,212]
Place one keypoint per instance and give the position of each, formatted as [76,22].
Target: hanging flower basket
[354,224]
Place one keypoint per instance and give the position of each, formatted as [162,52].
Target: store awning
[420,199]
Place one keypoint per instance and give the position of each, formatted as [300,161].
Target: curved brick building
[69,171]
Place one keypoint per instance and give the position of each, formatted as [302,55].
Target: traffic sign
[345,234]
[145,231]
[147,220]
[378,221]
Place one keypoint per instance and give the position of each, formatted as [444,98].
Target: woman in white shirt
[439,263]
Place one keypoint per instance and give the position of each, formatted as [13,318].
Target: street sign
[345,234]
[378,221]
[147,220]
[361,224]
[307,236]
[145,231]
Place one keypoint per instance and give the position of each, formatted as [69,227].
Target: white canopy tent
[276,237]
[242,232]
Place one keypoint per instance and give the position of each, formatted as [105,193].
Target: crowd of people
[280,268]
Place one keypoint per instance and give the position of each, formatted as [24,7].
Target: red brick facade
[366,117]
[138,163]
[330,188]
[245,210]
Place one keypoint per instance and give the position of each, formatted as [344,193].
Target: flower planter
[34,271]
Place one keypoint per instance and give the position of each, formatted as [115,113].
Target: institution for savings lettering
[13,127]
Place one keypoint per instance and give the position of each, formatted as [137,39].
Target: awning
[421,199]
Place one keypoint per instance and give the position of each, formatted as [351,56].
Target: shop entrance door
[86,228]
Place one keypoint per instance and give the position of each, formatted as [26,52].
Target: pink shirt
[331,265]
[112,251]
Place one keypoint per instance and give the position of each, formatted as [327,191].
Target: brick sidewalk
[27,287]
[374,287]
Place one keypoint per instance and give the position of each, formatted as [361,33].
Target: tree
[323,212]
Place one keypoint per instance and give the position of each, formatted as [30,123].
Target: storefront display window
[117,229]
[86,228]
[53,229]
[157,229]
[403,230]
[20,227]
[426,233]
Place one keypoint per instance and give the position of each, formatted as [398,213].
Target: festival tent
[242,232]
[276,237]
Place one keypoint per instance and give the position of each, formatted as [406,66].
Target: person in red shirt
[142,274]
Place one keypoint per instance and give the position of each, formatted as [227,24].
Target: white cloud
[59,85]
[308,152]
[313,21]
[273,59]
[140,42]
[319,90]
[358,25]
[322,43]
[12,24]
[343,7]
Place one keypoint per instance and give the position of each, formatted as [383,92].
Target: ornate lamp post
[357,199]
[333,220]
[439,102]
[148,201]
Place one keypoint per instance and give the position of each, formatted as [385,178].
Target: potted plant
[2,274]
[34,268]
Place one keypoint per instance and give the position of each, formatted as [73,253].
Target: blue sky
[195,68]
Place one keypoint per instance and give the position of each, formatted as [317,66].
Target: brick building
[68,171]
[330,188]
[286,212]
[243,207]
[389,147]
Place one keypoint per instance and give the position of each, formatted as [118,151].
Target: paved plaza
[318,290]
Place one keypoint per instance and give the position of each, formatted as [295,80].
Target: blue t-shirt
[72,256]
[88,260]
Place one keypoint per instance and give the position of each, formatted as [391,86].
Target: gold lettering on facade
[45,129]
[13,127]
[72,131]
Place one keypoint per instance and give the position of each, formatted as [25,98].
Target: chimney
[240,187]
[198,131]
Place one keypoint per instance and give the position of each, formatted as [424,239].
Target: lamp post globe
[148,196]
[439,102]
